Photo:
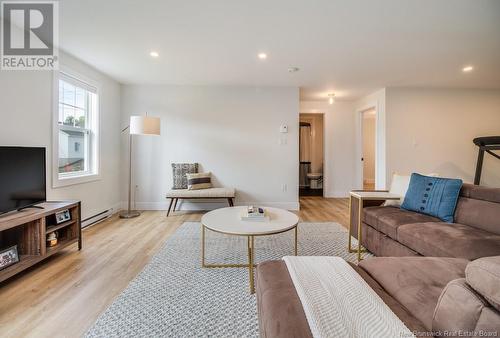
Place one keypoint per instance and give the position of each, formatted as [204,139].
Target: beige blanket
[339,303]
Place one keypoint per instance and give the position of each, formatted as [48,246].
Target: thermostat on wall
[283,128]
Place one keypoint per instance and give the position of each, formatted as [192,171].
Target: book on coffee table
[254,213]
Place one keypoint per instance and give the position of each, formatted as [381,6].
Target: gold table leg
[205,265]
[250,263]
[360,207]
[296,240]
[203,246]
[251,256]
[349,247]
[359,249]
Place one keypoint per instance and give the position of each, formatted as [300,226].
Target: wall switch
[284,187]
[284,129]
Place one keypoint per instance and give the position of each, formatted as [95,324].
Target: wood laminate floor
[64,295]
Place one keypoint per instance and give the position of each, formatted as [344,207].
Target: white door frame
[359,163]
[323,184]
[325,174]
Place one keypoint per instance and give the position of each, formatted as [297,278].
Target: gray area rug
[174,297]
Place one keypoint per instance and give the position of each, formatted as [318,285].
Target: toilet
[316,180]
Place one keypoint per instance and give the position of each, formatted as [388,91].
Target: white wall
[26,115]
[232,132]
[431,130]
[339,134]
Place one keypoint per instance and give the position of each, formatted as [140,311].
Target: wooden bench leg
[175,203]
[170,206]
[230,201]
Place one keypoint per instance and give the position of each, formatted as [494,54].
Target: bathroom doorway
[311,154]
[368,130]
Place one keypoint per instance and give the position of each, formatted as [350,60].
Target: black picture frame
[8,257]
[62,216]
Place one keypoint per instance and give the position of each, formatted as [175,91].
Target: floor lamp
[139,125]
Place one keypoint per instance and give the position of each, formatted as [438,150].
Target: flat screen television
[22,177]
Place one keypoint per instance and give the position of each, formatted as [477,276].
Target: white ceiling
[350,47]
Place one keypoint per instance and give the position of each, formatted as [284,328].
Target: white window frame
[94,149]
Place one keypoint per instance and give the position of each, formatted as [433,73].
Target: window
[77,132]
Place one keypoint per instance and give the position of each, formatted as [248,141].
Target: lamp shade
[144,125]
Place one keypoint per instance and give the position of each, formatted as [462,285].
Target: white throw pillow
[399,186]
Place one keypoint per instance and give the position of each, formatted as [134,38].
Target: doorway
[311,154]
[368,135]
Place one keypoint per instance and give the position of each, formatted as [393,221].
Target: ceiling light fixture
[154,54]
[467,69]
[262,56]
[331,98]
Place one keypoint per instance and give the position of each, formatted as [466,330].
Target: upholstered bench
[210,193]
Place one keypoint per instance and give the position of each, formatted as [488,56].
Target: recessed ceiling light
[262,56]
[467,69]
[331,98]
[154,54]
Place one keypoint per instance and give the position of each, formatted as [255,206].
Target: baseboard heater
[97,218]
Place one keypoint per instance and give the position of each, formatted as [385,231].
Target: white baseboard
[337,194]
[202,205]
[282,205]
[182,205]
[99,216]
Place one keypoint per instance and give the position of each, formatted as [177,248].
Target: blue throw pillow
[433,196]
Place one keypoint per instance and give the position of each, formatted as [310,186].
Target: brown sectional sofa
[431,295]
[391,231]
[280,310]
[445,294]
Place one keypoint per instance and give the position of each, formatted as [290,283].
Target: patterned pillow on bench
[179,171]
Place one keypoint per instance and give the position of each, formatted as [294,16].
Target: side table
[361,196]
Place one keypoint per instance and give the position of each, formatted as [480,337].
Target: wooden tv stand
[28,230]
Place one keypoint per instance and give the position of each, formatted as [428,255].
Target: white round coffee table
[228,221]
